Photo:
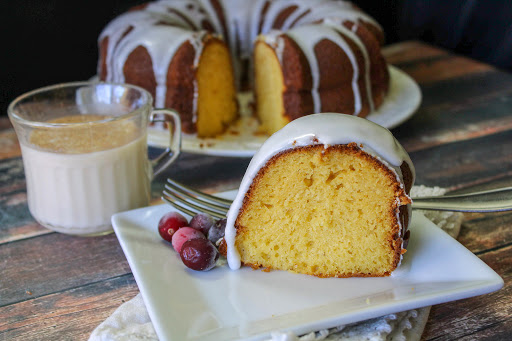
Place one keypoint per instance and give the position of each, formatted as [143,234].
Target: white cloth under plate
[131,322]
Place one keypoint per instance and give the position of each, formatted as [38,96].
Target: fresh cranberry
[202,222]
[199,254]
[183,235]
[217,231]
[170,223]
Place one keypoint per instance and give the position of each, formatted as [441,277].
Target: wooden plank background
[54,286]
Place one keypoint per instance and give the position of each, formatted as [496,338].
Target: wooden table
[54,286]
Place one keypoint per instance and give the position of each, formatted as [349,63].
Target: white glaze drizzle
[353,36]
[178,13]
[303,8]
[161,54]
[275,39]
[307,37]
[117,28]
[326,129]
[338,10]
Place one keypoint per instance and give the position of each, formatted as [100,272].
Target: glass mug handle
[172,119]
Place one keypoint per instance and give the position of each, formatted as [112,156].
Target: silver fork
[191,202]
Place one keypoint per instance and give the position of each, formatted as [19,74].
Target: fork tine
[187,198]
[179,207]
[190,193]
[194,205]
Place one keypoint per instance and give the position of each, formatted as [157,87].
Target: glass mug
[84,150]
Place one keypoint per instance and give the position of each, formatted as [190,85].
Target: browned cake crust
[396,239]
[138,68]
[102,63]
[180,88]
[404,214]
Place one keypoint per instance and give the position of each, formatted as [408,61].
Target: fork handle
[495,200]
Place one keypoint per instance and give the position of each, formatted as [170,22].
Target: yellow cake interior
[217,104]
[325,212]
[268,89]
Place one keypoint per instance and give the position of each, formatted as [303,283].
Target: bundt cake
[303,56]
[327,196]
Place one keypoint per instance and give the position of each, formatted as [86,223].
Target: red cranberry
[202,222]
[183,235]
[170,223]
[217,231]
[199,254]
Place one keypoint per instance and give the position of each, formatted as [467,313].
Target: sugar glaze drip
[307,37]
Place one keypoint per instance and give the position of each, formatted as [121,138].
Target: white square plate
[222,304]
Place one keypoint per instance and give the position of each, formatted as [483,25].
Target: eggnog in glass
[84,153]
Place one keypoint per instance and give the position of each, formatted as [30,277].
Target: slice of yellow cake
[327,196]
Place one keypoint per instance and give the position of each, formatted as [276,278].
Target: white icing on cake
[307,37]
[326,129]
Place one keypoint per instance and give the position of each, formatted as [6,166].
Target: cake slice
[326,196]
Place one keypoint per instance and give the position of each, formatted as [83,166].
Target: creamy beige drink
[79,175]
